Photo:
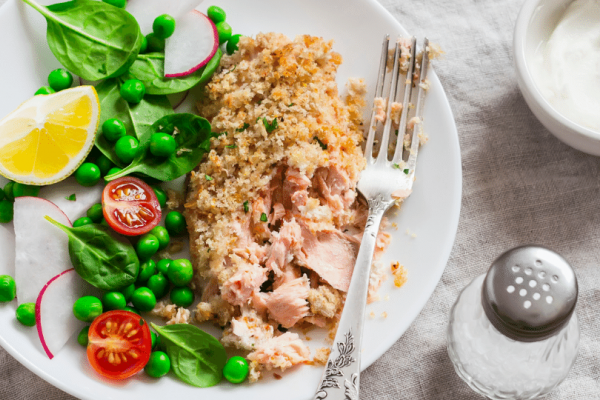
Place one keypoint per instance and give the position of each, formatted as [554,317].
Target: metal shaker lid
[529,293]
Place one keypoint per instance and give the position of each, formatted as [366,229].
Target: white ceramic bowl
[535,24]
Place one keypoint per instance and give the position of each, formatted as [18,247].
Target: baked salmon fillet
[272,212]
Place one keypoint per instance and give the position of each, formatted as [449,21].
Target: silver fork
[380,183]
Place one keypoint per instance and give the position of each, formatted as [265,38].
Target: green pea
[21,189]
[95,213]
[133,91]
[147,269]
[60,79]
[163,26]
[182,296]
[44,90]
[128,291]
[82,338]
[131,309]
[159,285]
[147,246]
[155,340]
[158,365]
[161,196]
[236,369]
[26,314]
[175,223]
[143,299]
[162,235]
[224,31]
[144,46]
[87,174]
[6,211]
[127,148]
[216,14]
[8,288]
[162,145]
[180,272]
[87,308]
[113,129]
[113,301]
[104,164]
[82,221]
[163,265]
[232,44]
[8,191]
[116,3]
[155,44]
[113,170]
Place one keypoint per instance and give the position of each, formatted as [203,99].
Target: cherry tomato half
[130,206]
[119,344]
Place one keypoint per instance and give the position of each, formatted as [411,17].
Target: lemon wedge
[48,137]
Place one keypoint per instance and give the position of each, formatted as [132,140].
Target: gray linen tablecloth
[521,185]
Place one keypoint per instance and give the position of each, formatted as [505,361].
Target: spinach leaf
[138,118]
[196,357]
[150,69]
[192,135]
[100,256]
[92,39]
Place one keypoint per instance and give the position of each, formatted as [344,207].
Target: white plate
[431,212]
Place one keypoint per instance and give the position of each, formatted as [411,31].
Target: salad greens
[100,256]
[192,135]
[196,357]
[138,118]
[92,39]
[149,68]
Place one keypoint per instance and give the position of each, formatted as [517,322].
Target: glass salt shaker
[513,333]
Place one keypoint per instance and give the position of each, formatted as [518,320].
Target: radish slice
[192,46]
[145,11]
[85,197]
[42,250]
[54,310]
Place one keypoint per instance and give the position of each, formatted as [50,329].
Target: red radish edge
[48,201]
[212,54]
[182,100]
[38,318]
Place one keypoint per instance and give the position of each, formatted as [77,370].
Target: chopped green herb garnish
[263,217]
[259,102]
[396,166]
[142,322]
[270,127]
[406,171]
[323,145]
[246,208]
[244,127]
[232,69]
[208,178]
[291,104]
[231,146]
[396,132]
[71,197]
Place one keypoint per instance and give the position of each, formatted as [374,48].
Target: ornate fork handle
[344,360]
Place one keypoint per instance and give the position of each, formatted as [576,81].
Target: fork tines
[415,74]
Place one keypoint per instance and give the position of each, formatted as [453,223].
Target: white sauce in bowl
[567,66]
